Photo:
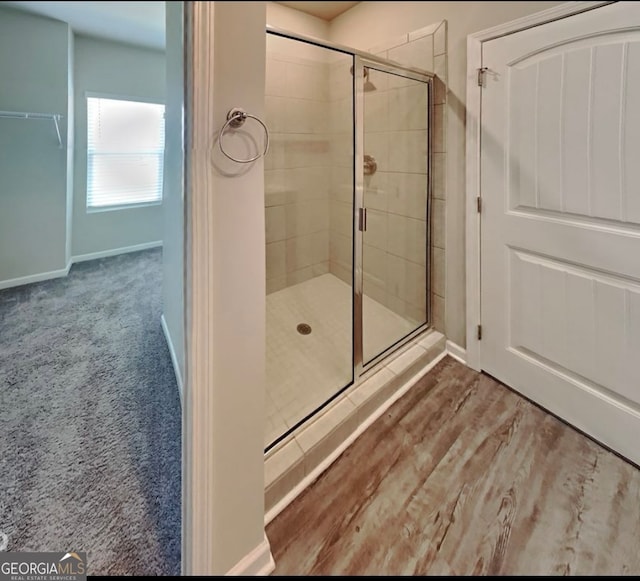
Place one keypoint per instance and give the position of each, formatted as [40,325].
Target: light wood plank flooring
[462,476]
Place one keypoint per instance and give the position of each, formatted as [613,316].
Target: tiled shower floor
[303,371]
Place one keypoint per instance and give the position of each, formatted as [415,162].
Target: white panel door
[560,243]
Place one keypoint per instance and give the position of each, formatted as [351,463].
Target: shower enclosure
[347,193]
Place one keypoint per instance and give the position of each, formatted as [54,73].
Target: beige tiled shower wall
[396,196]
[298,163]
[341,176]
[394,252]
[396,135]
[309,171]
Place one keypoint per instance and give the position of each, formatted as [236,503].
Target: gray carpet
[90,418]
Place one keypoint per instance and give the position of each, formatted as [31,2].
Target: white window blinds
[125,152]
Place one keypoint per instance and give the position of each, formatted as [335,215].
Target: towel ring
[236,118]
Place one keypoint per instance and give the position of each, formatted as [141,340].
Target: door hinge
[479,332]
[479,204]
[362,219]
[482,73]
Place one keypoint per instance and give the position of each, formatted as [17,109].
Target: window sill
[100,209]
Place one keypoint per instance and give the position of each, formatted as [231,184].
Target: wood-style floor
[462,476]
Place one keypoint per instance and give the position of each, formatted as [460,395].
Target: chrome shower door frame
[361,62]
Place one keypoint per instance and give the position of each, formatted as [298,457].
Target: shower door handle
[362,219]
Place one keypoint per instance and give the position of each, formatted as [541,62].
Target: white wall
[295,21]
[372,23]
[34,64]
[173,195]
[224,409]
[103,66]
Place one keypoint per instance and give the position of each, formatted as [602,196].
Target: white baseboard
[172,351]
[115,251]
[457,352]
[259,562]
[318,470]
[80,258]
[35,277]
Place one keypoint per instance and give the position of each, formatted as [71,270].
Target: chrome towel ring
[236,118]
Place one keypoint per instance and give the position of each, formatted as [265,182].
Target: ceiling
[140,23]
[325,10]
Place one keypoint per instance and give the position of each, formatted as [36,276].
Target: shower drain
[304,329]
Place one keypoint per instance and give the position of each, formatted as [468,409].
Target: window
[125,152]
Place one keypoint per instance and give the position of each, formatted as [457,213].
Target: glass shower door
[309,233]
[394,219]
